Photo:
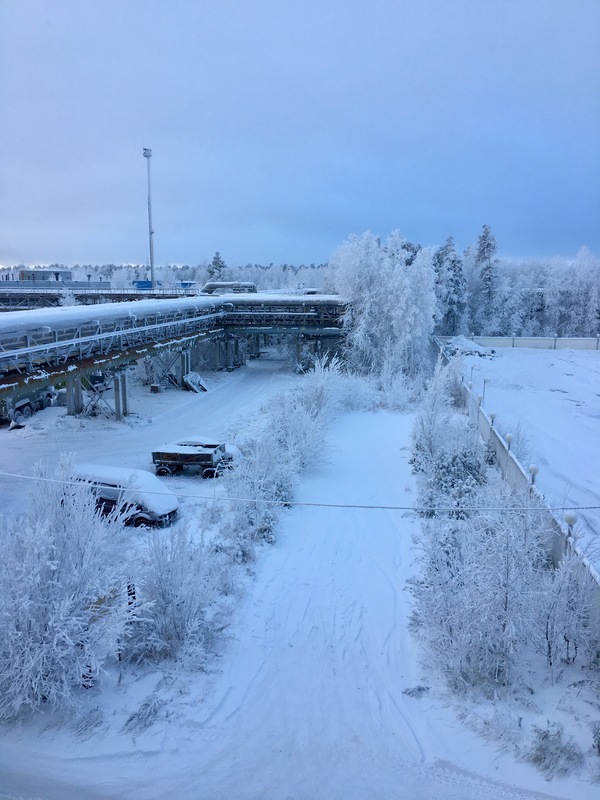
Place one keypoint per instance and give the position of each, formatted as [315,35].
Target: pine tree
[450,289]
[216,268]
[487,263]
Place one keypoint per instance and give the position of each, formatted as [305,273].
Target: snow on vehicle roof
[141,486]
[201,441]
[185,448]
[210,442]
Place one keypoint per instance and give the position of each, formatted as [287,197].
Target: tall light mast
[147,156]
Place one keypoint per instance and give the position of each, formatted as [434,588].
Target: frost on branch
[179,587]
[63,596]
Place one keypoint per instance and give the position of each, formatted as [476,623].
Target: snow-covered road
[310,701]
[156,419]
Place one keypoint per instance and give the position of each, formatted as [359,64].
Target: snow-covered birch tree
[390,289]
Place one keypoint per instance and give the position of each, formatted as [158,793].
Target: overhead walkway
[48,345]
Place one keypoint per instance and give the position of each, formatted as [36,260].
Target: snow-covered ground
[309,697]
[550,400]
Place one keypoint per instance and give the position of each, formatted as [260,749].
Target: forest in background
[474,292]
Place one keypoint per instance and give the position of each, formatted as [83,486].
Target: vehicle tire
[163,471]
[140,522]
[47,401]
[27,411]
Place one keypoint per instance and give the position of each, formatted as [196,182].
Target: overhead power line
[308,504]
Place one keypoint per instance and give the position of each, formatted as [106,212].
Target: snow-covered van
[144,498]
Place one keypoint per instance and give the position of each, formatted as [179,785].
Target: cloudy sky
[279,127]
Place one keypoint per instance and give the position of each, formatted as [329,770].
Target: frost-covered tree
[566,630]
[411,303]
[67,297]
[486,596]
[64,606]
[479,590]
[216,268]
[360,276]
[391,303]
[450,290]
[485,259]
[486,264]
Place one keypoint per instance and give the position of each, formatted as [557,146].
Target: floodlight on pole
[147,155]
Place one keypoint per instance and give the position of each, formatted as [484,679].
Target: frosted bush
[179,586]
[63,596]
[285,438]
[565,632]
[551,753]
[478,591]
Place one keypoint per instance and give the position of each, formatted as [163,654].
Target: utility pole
[147,156]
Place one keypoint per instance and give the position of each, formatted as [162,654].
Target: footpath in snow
[309,701]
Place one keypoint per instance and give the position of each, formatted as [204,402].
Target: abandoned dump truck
[208,457]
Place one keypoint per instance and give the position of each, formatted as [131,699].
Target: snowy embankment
[309,698]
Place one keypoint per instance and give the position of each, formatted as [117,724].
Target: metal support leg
[117,390]
[124,398]
[254,346]
[184,366]
[74,396]
[230,354]
[222,357]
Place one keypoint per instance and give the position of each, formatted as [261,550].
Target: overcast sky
[278,128]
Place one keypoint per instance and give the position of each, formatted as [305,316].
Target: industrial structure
[51,346]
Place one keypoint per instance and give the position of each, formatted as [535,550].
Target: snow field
[308,700]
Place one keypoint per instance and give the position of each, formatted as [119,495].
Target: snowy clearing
[308,699]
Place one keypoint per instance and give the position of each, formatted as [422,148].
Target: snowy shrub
[454,381]
[260,483]
[551,753]
[566,628]
[145,716]
[273,459]
[432,422]
[284,439]
[321,390]
[89,724]
[446,453]
[478,592]
[63,596]
[178,585]
[146,371]
[520,446]
[451,480]
[395,389]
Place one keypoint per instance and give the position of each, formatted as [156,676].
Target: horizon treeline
[476,292]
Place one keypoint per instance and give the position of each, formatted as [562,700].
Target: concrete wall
[534,342]
[560,535]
